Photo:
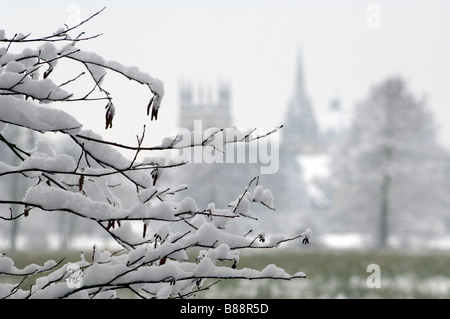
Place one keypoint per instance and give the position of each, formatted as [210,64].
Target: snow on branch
[20,73]
[30,115]
[97,67]
[7,267]
[157,233]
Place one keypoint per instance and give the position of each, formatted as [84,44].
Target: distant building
[210,104]
[214,182]
[302,153]
[222,183]
[302,132]
[306,140]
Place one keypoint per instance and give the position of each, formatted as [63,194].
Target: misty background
[360,89]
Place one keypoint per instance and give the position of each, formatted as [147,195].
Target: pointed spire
[301,130]
[300,81]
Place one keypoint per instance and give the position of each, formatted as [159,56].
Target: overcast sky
[347,47]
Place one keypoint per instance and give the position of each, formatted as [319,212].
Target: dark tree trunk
[384,212]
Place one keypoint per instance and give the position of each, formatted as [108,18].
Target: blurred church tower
[300,134]
[210,104]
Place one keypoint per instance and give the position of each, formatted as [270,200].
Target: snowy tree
[156,233]
[390,175]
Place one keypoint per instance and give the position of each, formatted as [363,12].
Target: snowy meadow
[330,274]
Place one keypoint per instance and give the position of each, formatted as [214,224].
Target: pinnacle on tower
[299,80]
[300,131]
[212,106]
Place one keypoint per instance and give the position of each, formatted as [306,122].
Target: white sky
[253,45]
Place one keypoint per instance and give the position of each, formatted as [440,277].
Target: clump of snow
[7,267]
[113,158]
[148,193]
[267,198]
[49,53]
[28,114]
[164,293]
[97,65]
[188,205]
[222,252]
[243,206]
[15,67]
[163,231]
[103,257]
[274,272]
[44,90]
[206,265]
[42,162]
[54,199]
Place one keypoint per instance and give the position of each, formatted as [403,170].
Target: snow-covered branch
[157,234]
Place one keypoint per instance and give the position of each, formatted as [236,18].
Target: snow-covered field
[401,286]
[338,273]
[331,272]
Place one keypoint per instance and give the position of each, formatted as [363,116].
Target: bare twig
[56,37]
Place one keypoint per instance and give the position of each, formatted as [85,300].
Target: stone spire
[300,132]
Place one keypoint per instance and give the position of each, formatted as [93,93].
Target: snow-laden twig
[154,261]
